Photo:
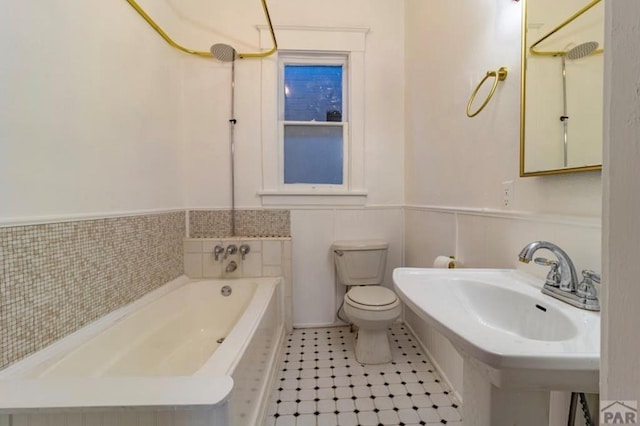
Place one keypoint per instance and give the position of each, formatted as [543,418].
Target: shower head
[224,52]
[582,50]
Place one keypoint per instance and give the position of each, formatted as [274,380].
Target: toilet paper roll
[446,262]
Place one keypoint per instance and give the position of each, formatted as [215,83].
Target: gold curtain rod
[572,18]
[172,43]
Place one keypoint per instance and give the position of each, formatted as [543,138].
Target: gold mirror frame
[523,81]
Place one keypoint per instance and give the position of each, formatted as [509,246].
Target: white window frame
[295,58]
[315,43]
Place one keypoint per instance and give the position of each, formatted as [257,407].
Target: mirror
[562,84]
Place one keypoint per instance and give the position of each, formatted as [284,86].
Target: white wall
[316,297]
[620,363]
[207,111]
[452,160]
[101,115]
[455,166]
[207,93]
[90,104]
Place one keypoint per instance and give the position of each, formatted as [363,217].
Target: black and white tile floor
[320,383]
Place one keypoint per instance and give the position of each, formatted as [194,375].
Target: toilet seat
[372,298]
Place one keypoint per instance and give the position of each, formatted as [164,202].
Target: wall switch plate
[507,194]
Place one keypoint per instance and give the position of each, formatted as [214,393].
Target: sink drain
[226,290]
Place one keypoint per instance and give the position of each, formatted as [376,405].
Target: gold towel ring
[499,75]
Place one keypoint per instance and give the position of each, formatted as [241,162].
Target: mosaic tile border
[249,223]
[56,278]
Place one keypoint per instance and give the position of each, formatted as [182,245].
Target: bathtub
[183,355]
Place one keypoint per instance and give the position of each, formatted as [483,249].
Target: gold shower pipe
[569,20]
[172,43]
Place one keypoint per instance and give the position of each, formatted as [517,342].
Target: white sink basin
[523,338]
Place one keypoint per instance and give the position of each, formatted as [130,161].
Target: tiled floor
[321,383]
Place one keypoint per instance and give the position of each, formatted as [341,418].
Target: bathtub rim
[106,393]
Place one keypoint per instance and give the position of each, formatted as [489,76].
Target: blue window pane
[313,155]
[313,92]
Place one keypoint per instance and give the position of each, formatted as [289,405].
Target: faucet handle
[588,273]
[217,251]
[244,249]
[545,262]
[553,277]
[586,288]
[231,249]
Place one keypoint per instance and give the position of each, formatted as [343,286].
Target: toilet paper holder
[447,262]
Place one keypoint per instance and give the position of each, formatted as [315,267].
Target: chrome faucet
[565,269]
[231,267]
[562,280]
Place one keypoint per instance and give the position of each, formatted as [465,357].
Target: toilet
[373,308]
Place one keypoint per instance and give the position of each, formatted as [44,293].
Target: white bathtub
[158,361]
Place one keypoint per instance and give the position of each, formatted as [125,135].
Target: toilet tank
[360,262]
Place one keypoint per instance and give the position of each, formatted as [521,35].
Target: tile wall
[56,278]
[249,223]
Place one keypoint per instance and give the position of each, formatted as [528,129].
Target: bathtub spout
[231,266]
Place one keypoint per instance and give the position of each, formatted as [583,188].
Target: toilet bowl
[372,308]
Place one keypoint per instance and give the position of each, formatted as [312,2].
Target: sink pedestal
[485,404]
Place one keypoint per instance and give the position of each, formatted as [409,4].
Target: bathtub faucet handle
[244,249]
[231,249]
[217,251]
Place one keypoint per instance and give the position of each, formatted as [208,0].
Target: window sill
[312,198]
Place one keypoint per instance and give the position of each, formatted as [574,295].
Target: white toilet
[360,266]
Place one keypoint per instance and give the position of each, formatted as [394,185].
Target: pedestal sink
[517,343]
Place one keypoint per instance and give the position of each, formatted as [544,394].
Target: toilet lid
[372,296]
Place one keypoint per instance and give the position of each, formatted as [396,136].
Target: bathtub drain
[226,290]
[220,340]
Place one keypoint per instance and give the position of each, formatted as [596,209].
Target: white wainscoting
[490,239]
[316,295]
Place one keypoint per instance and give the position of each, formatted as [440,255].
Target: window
[314,136]
[312,119]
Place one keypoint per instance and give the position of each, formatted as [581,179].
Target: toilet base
[372,347]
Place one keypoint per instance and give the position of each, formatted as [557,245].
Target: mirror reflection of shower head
[582,50]
[224,52]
